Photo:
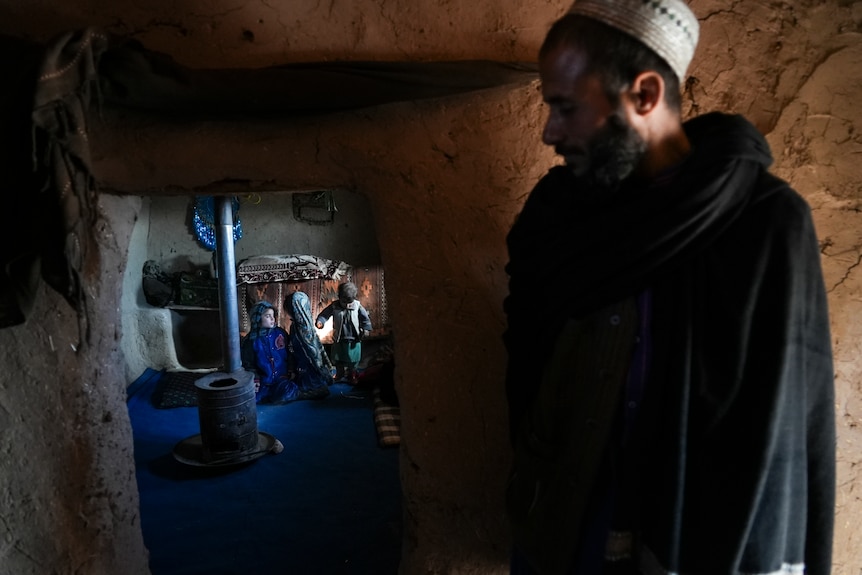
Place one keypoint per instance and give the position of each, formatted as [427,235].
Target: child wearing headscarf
[265,352]
[313,368]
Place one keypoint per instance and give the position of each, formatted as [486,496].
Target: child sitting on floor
[265,352]
[311,362]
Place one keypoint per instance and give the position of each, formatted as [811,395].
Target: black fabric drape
[133,77]
[49,186]
[21,235]
[742,442]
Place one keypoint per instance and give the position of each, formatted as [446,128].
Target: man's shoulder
[776,215]
[776,198]
[550,196]
[556,179]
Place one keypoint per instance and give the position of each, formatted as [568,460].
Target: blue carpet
[329,504]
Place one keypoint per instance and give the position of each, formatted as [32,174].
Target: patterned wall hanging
[203,221]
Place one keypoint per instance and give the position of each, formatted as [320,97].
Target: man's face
[584,126]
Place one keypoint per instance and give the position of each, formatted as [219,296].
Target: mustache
[569,151]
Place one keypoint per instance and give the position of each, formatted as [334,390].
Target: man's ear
[647,92]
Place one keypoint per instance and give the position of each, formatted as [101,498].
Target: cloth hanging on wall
[203,221]
[267,277]
[260,269]
[273,282]
[136,78]
[54,198]
[20,245]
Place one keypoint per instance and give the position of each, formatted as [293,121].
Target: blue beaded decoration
[204,221]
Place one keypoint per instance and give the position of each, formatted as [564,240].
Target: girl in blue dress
[265,351]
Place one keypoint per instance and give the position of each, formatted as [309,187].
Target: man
[676,414]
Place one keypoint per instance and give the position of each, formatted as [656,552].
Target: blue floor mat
[329,504]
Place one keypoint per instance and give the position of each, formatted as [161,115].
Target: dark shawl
[45,157]
[307,349]
[738,421]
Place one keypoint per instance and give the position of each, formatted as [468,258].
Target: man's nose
[551,133]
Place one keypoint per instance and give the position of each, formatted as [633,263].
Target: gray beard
[614,154]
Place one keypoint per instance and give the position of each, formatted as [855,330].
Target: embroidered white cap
[668,27]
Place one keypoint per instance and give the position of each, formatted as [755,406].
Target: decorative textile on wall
[250,294]
[372,296]
[260,269]
[274,277]
[203,221]
[276,292]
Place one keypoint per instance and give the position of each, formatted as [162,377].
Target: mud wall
[444,179]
